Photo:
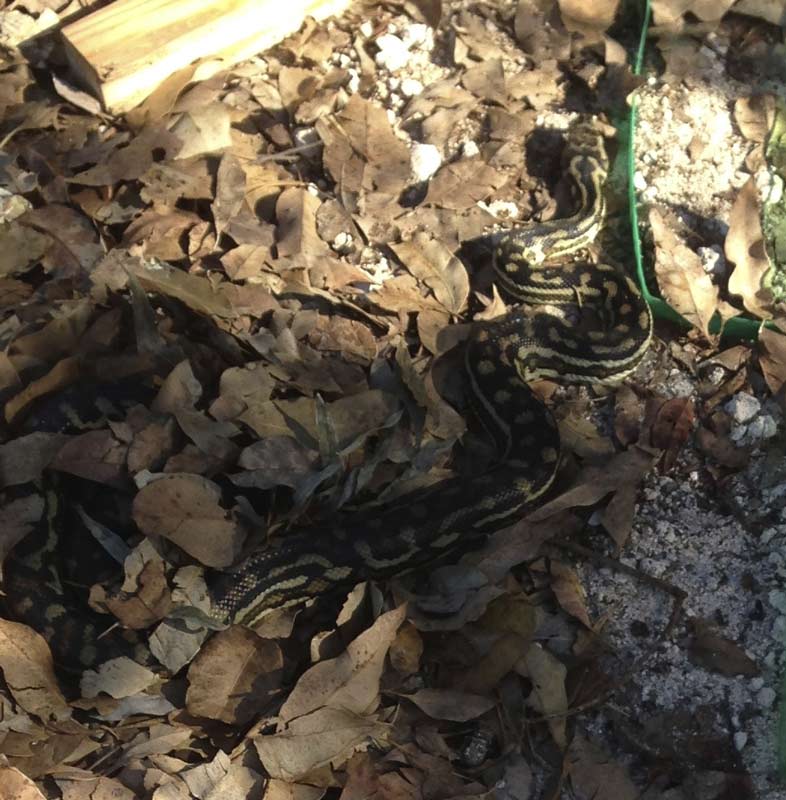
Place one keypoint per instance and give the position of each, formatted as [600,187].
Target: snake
[577,320]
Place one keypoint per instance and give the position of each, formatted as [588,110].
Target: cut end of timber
[124,51]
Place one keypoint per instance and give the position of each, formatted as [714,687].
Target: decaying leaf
[233,676]
[26,664]
[451,705]
[186,510]
[745,247]
[681,277]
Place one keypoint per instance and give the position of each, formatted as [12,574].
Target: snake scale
[578,322]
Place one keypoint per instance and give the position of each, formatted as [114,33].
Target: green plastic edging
[734,329]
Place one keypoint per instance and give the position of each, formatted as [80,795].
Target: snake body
[580,322]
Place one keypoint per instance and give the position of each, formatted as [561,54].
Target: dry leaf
[351,681]
[186,510]
[234,675]
[431,262]
[772,359]
[595,774]
[451,705]
[681,278]
[549,695]
[26,664]
[745,247]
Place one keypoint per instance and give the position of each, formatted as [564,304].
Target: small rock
[469,149]
[425,160]
[416,35]
[763,427]
[757,684]
[743,407]
[343,243]
[639,181]
[393,53]
[740,739]
[367,28]
[411,87]
[766,697]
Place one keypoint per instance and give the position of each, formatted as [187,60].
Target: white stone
[766,697]
[469,149]
[416,35]
[639,181]
[425,160]
[393,53]
[740,739]
[367,28]
[411,87]
[763,427]
[743,407]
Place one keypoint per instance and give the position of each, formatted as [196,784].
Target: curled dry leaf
[681,276]
[745,247]
[350,681]
[772,359]
[234,675]
[186,510]
[26,664]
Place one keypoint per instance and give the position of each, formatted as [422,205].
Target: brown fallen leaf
[186,510]
[460,185]
[25,458]
[744,246]
[27,668]
[16,786]
[772,359]
[450,704]
[350,681]
[234,676]
[567,588]
[321,737]
[674,422]
[719,654]
[593,773]
[681,277]
[432,263]
[149,603]
[406,650]
[548,696]
[754,115]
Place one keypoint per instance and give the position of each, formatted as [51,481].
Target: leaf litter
[238,309]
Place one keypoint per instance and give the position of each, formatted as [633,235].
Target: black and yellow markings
[544,266]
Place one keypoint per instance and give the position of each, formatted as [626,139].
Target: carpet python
[578,322]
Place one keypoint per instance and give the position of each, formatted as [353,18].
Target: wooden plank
[123,51]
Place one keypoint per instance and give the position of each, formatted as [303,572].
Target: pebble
[740,739]
[763,427]
[411,87]
[469,149]
[639,181]
[393,53]
[766,697]
[743,407]
[425,160]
